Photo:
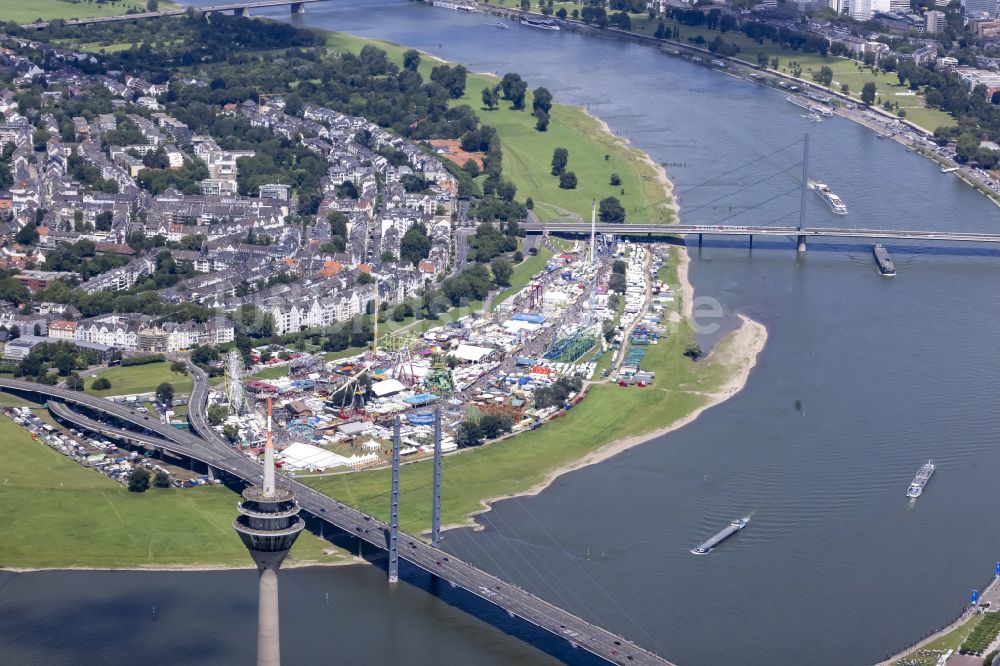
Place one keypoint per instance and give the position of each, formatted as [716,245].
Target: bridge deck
[212,451]
[730,230]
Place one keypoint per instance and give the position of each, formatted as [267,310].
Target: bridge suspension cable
[691,188]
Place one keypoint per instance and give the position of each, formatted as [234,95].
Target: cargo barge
[884,261]
[924,475]
[726,532]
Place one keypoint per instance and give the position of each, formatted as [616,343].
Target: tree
[28,234]
[868,93]
[152,5]
[103,220]
[825,75]
[179,367]
[162,479]
[490,98]
[514,89]
[541,100]
[217,414]
[560,158]
[845,88]
[494,425]
[293,104]
[567,180]
[617,283]
[165,394]
[616,180]
[561,13]
[451,78]
[611,210]
[468,434]
[502,271]
[415,245]
[411,60]
[619,267]
[541,120]
[471,167]
[74,382]
[138,480]
[101,384]
[231,432]
[966,147]
[693,351]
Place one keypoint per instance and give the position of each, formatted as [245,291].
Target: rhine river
[863,380]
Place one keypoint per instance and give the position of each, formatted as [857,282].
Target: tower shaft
[268,640]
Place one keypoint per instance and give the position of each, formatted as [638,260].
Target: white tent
[387,387]
[471,353]
[299,455]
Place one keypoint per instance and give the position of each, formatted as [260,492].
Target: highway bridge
[217,454]
[237,8]
[633,229]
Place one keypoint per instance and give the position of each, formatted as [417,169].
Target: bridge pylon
[394,507]
[297,8]
[801,247]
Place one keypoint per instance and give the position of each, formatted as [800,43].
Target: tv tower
[268,524]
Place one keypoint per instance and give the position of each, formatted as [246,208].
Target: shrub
[142,360]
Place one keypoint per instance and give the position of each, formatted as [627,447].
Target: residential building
[862,10]
[62,329]
[112,330]
[980,8]
[275,191]
[934,22]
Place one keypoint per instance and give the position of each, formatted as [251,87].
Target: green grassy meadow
[139,379]
[60,514]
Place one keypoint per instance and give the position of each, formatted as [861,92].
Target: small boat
[501,25]
[949,169]
[815,117]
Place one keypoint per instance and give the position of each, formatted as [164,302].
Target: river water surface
[863,379]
